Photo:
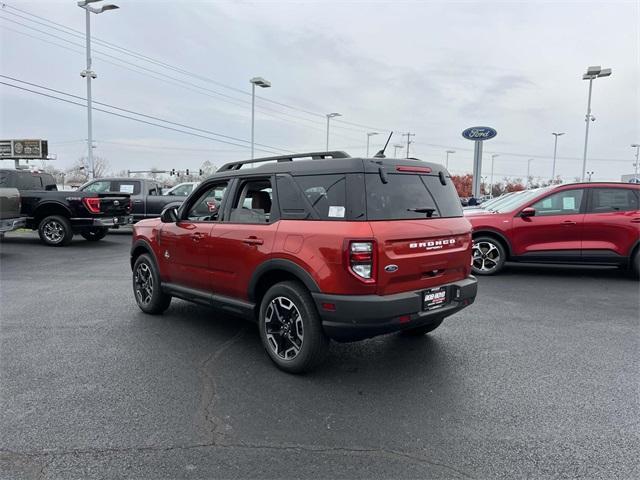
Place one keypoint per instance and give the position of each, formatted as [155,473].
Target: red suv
[313,246]
[580,223]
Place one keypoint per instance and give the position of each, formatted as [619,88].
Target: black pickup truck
[146,194]
[58,215]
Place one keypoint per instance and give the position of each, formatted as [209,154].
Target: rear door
[555,231]
[422,238]
[611,224]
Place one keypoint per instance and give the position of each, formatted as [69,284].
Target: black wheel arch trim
[144,244]
[490,232]
[283,265]
[51,203]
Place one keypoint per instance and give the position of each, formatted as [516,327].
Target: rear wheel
[422,329]
[94,234]
[635,264]
[55,231]
[488,256]
[290,328]
[147,288]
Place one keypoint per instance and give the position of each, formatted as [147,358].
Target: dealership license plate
[435,298]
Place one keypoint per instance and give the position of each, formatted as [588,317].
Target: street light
[528,172]
[555,150]
[590,173]
[260,82]
[591,75]
[88,73]
[637,147]
[397,147]
[369,135]
[448,152]
[329,117]
[493,157]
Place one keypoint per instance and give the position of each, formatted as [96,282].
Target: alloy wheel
[283,328]
[486,256]
[144,284]
[53,231]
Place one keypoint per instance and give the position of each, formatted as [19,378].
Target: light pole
[448,152]
[637,164]
[369,135]
[529,172]
[591,75]
[397,147]
[261,82]
[329,117]
[555,151]
[89,74]
[493,158]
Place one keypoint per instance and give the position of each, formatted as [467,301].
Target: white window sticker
[124,188]
[336,211]
[568,203]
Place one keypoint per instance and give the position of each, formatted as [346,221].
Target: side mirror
[169,215]
[528,212]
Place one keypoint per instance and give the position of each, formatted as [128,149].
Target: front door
[555,231]
[187,245]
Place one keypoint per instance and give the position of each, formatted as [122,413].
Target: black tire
[635,264]
[94,234]
[423,329]
[488,256]
[290,328]
[149,295]
[55,231]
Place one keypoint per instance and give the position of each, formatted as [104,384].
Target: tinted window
[98,187]
[253,202]
[407,196]
[7,179]
[613,200]
[207,207]
[566,202]
[27,181]
[326,194]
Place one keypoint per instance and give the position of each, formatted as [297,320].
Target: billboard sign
[24,149]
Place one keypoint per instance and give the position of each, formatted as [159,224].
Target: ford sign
[479,133]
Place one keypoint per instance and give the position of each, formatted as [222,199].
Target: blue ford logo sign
[479,133]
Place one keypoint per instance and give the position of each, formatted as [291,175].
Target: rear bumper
[10,224]
[362,316]
[114,221]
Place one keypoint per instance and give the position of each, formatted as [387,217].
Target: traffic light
[187,172]
[172,172]
[200,172]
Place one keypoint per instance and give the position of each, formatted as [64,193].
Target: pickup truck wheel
[488,256]
[422,329]
[147,288]
[290,328]
[55,231]
[94,234]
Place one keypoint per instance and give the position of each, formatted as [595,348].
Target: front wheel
[290,328]
[488,256]
[94,234]
[146,287]
[55,231]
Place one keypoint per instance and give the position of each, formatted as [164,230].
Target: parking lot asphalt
[538,379]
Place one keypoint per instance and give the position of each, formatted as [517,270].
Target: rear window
[407,196]
[327,194]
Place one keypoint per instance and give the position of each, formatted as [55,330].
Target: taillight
[92,204]
[361,255]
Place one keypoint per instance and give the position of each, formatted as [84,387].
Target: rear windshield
[407,196]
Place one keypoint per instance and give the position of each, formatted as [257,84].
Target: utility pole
[409,141]
[591,75]
[448,152]
[493,158]
[262,83]
[397,147]
[529,172]
[555,151]
[637,147]
[329,117]
[369,135]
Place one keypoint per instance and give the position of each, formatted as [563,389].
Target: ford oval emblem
[479,133]
[116,202]
[391,268]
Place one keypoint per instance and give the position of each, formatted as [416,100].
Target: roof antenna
[380,154]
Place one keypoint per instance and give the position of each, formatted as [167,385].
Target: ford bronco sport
[313,246]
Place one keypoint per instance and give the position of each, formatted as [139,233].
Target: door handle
[568,223]
[137,201]
[197,236]
[253,241]
[635,220]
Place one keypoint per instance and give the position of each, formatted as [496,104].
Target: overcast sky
[431,68]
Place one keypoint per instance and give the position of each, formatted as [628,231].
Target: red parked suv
[580,223]
[313,246]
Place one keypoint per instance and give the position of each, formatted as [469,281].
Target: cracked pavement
[538,379]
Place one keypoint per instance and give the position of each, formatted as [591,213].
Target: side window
[566,202]
[253,202]
[605,200]
[327,194]
[207,206]
[182,191]
[98,187]
[125,186]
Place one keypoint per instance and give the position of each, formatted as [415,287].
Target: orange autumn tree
[463,184]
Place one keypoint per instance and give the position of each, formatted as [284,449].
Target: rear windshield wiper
[428,211]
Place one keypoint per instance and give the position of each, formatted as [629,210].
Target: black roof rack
[283,158]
